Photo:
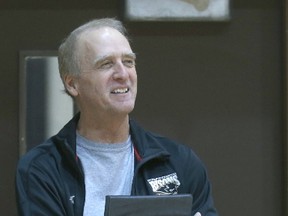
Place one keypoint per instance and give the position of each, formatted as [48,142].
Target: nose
[121,72]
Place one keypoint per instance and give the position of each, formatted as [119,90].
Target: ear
[70,83]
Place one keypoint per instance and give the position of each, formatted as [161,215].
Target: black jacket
[50,179]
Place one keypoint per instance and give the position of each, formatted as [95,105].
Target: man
[101,151]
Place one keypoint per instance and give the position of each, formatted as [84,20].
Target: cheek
[97,85]
[133,76]
[86,87]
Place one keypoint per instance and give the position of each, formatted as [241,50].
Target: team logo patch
[165,185]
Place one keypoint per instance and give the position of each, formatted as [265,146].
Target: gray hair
[67,53]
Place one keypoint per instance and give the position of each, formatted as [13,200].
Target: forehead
[103,39]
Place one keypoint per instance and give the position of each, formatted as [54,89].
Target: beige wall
[215,86]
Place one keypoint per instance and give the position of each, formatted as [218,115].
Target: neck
[113,130]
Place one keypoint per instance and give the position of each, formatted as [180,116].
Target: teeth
[120,91]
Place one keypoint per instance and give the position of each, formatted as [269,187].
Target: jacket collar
[66,140]
[146,144]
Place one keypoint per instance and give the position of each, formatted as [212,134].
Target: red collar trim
[137,155]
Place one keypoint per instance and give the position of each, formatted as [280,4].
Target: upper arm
[38,192]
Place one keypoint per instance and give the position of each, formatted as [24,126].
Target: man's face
[108,81]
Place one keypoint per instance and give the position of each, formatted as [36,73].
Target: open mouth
[120,91]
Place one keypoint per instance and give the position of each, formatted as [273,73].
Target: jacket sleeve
[37,191]
[199,186]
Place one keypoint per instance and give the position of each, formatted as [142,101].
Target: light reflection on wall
[59,109]
[44,107]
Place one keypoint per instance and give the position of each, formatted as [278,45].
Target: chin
[125,110]
[122,107]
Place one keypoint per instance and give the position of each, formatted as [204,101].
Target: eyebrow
[131,55]
[104,57]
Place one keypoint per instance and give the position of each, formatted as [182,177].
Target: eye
[129,63]
[105,65]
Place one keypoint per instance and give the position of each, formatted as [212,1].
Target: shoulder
[38,158]
[178,151]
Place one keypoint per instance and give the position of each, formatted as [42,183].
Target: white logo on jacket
[165,185]
[72,199]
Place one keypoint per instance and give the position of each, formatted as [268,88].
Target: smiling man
[105,89]
[101,151]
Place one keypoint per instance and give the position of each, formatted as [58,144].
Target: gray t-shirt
[108,170]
